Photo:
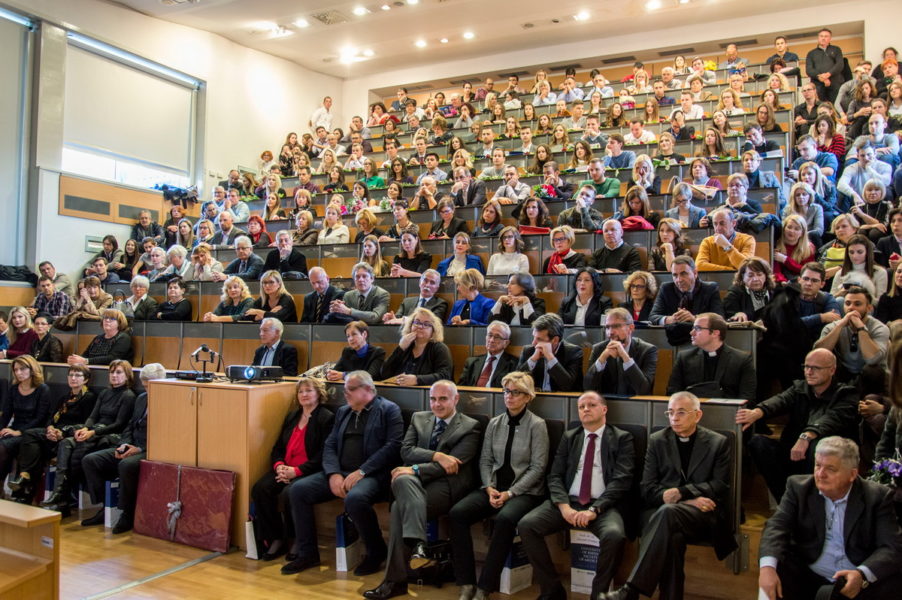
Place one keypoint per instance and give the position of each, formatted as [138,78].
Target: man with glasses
[858,339]
[818,406]
[555,365]
[621,364]
[430,281]
[317,302]
[686,494]
[359,455]
[274,352]
[487,370]
[440,453]
[247,265]
[583,217]
[711,368]
[467,191]
[805,112]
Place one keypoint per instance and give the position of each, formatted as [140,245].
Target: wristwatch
[416,470]
[804,436]
[864,580]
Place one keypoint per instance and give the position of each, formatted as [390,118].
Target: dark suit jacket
[706,298]
[437,305]
[597,307]
[332,293]
[254,268]
[738,300]
[371,362]
[735,372]
[220,240]
[886,247]
[708,476]
[135,433]
[318,427]
[456,226]
[435,363]
[506,313]
[639,379]
[381,440]
[617,465]
[460,439]
[475,364]
[475,195]
[871,532]
[296,261]
[565,376]
[147,309]
[286,356]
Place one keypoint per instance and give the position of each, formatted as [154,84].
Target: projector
[254,373]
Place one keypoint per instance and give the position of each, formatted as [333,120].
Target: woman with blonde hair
[564,259]
[421,357]
[730,103]
[371,254]
[304,234]
[793,250]
[802,202]
[681,207]
[641,289]
[204,264]
[333,231]
[274,302]
[327,161]
[832,254]
[471,307]
[20,332]
[644,175]
[236,299]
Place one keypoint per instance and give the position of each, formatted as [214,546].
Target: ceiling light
[412,2]
[444,40]
[346,55]
[469,35]
[280,31]
[684,1]
[368,53]
[302,23]
[653,5]
[360,11]
[420,43]
[265,26]
[582,15]
[386,7]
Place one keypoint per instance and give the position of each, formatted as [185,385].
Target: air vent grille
[677,52]
[741,43]
[618,59]
[564,67]
[330,17]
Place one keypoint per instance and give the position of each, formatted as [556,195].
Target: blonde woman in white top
[510,258]
[333,231]
[204,265]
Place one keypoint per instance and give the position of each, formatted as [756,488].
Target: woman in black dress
[47,347]
[421,357]
[274,302]
[176,307]
[359,355]
[114,343]
[26,405]
[447,225]
[411,261]
[752,289]
[587,303]
[520,305]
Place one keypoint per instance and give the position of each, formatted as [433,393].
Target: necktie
[422,303]
[437,433]
[483,380]
[585,484]
[243,267]
[317,312]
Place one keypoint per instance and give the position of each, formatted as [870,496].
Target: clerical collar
[712,354]
[687,439]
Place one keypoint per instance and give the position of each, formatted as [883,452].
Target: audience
[421,357]
[487,370]
[621,364]
[360,355]
[556,365]
[274,352]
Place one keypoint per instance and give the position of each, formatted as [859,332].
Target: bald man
[818,406]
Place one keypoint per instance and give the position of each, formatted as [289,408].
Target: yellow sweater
[712,258]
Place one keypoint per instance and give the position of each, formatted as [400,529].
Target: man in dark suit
[487,370]
[122,461]
[891,244]
[686,490]
[317,302]
[247,265]
[227,233]
[358,458]
[818,406]
[679,301]
[366,302]
[622,364]
[589,483]
[274,352]
[285,258]
[466,190]
[555,365]
[711,368]
[430,281]
[440,453]
[832,525]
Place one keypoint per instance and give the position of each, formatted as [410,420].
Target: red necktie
[585,485]
[483,380]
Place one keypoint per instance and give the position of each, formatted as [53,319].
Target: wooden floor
[95,563]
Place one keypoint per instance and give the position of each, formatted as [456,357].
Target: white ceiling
[497,25]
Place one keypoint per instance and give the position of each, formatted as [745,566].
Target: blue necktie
[437,433]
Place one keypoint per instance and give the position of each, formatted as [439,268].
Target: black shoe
[281,549]
[624,593]
[386,590]
[300,564]
[97,519]
[558,593]
[291,556]
[420,557]
[369,565]
[125,523]
[15,484]
[63,507]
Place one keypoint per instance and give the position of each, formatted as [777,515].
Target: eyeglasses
[508,392]
[495,337]
[558,240]
[268,282]
[814,368]
[638,286]
[614,325]
[700,328]
[423,324]
[678,413]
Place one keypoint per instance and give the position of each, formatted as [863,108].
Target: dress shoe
[125,523]
[420,557]
[624,593]
[276,549]
[559,593]
[369,565]
[291,556]
[387,589]
[299,564]
[481,594]
[15,484]
[97,519]
[467,592]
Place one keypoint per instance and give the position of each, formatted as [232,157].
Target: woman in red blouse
[298,452]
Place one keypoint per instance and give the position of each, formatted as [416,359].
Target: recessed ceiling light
[582,15]
[684,1]
[265,26]
[444,40]
[420,43]
[302,23]
[368,53]
[359,11]
[469,35]
[653,5]
[412,2]
[386,7]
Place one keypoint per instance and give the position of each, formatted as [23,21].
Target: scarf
[556,259]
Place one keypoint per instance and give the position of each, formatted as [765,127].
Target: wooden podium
[29,552]
[218,426]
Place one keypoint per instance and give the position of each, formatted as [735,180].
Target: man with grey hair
[430,281]
[146,227]
[317,302]
[667,76]
[440,455]
[621,364]
[727,248]
[615,255]
[487,370]
[247,265]
[122,461]
[833,532]
[285,258]
[358,459]
[366,302]
[555,365]
[686,495]
[275,352]
[143,307]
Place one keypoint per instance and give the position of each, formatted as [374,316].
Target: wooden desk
[29,552]
[218,426]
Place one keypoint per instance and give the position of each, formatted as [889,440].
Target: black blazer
[617,464]
[638,380]
[371,362]
[506,313]
[286,356]
[296,261]
[332,293]
[135,433]
[886,247]
[705,299]
[738,300]
[597,307]
[284,311]
[456,226]
[435,363]
[871,533]
[419,263]
[475,195]
[318,428]
[437,305]
[644,314]
[735,374]
[475,364]
[567,374]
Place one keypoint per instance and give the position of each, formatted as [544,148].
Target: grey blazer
[529,453]
[374,306]
[460,439]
